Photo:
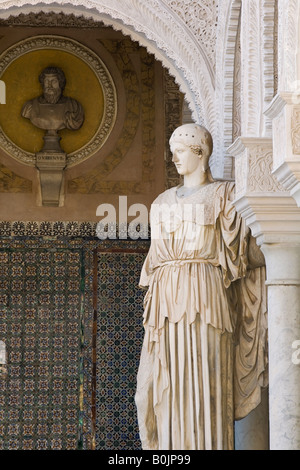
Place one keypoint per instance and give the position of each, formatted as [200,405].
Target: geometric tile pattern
[118,347]
[40,324]
[48,229]
[51,386]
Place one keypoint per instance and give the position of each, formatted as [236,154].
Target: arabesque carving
[296,130]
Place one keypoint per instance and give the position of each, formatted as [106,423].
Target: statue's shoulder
[27,107]
[167,196]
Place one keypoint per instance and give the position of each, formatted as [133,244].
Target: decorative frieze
[260,198]
[74,229]
[51,19]
[47,229]
[253,163]
[257,42]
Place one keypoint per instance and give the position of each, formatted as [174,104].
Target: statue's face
[51,88]
[186,161]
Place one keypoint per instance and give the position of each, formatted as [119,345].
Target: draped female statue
[203,359]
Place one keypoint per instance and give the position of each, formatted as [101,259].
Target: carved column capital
[285,114]
[268,209]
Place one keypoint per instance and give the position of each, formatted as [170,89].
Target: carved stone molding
[201,20]
[269,18]
[262,201]
[288,45]
[94,62]
[257,42]
[173,114]
[284,112]
[52,20]
[253,166]
[227,65]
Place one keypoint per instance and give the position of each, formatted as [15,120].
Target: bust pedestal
[51,167]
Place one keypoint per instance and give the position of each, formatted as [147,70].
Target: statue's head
[191,146]
[196,137]
[53,81]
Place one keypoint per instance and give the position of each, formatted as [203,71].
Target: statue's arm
[251,339]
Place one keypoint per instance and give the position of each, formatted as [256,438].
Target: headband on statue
[195,136]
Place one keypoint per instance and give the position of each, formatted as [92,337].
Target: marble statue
[52,110]
[204,356]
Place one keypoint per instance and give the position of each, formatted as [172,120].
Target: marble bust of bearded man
[52,110]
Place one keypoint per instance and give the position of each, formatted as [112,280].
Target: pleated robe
[184,393]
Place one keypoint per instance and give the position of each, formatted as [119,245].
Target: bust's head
[53,81]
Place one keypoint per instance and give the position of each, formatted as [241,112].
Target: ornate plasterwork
[285,115]
[257,42]
[157,27]
[140,108]
[237,89]
[101,72]
[263,202]
[260,177]
[251,78]
[201,18]
[52,20]
[226,68]
[269,57]
[254,167]
[295,133]
[243,87]
[173,113]
[288,45]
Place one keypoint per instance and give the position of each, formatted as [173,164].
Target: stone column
[274,219]
[283,272]
[283,280]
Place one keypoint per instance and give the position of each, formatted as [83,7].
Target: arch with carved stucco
[289,45]
[156,25]
[227,36]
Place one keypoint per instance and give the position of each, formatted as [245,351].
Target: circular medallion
[87,80]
